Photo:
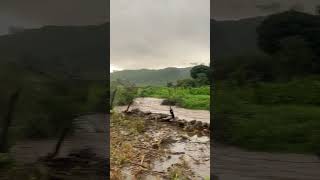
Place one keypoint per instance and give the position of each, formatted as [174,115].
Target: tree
[186,83]
[280,26]
[290,31]
[126,92]
[170,84]
[200,71]
[295,57]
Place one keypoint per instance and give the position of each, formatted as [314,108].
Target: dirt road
[91,132]
[232,163]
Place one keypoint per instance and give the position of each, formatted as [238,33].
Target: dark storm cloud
[159,33]
[269,6]
[57,11]
[237,9]
[31,13]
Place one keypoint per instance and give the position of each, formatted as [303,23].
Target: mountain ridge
[157,77]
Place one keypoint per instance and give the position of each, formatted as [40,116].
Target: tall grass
[269,117]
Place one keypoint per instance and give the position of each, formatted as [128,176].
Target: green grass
[264,118]
[190,98]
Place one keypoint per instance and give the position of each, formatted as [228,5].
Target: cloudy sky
[237,9]
[159,33]
[145,33]
[35,13]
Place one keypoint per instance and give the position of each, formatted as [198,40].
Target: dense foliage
[191,98]
[145,77]
[269,101]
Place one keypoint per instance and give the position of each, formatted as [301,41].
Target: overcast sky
[159,33]
[35,13]
[145,33]
[237,9]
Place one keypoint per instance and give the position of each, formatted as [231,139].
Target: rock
[184,137]
[155,146]
[189,128]
[168,102]
[181,123]
[148,113]
[198,125]
[205,125]
[163,116]
[193,122]
[206,131]
[166,119]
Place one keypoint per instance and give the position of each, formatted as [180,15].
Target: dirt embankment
[189,126]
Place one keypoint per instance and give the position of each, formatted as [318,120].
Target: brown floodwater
[154,105]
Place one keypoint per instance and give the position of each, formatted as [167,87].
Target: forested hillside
[152,77]
[77,51]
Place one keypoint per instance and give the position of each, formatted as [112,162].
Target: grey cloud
[237,9]
[159,33]
[34,13]
[57,11]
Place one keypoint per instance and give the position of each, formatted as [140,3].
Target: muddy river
[154,105]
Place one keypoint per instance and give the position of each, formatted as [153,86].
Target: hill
[234,37]
[152,77]
[77,51]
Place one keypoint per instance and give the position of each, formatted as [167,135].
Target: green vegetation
[270,101]
[191,93]
[143,77]
[269,117]
[190,98]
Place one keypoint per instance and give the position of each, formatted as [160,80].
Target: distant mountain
[152,77]
[78,51]
[234,37]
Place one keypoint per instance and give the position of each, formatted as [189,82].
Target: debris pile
[189,126]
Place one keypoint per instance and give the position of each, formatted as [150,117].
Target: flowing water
[154,105]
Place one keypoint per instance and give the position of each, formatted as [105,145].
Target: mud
[183,150]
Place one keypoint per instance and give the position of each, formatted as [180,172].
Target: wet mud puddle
[183,155]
